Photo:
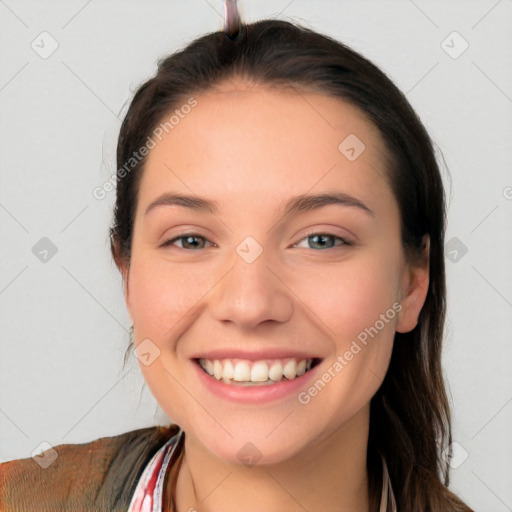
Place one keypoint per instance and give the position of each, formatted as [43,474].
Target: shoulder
[98,475]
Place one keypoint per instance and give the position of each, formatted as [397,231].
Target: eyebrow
[298,204]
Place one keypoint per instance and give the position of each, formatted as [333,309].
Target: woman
[279,226]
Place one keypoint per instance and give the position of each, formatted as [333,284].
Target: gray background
[63,321]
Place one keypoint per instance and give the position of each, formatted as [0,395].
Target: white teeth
[245,372]
[217,369]
[275,372]
[259,372]
[290,369]
[242,372]
[209,366]
[227,372]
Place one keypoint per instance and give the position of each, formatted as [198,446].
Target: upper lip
[255,355]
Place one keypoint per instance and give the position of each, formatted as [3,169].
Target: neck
[330,475]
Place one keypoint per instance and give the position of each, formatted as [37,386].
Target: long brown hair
[410,421]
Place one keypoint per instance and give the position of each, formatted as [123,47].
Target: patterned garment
[148,494]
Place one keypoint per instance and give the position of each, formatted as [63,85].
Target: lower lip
[257,394]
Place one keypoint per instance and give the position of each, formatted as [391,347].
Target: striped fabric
[148,494]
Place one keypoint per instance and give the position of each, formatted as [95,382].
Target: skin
[251,148]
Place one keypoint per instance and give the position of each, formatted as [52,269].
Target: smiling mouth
[243,372]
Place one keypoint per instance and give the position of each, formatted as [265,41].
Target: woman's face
[259,283]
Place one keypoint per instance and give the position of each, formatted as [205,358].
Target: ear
[413,290]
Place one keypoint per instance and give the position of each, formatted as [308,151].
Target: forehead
[259,144]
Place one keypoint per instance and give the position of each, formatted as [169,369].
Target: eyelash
[344,241]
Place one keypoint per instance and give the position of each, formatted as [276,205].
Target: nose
[252,293]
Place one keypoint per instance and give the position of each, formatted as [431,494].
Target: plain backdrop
[68,68]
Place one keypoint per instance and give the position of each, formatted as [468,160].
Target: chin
[254,447]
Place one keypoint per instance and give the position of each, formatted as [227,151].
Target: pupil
[321,237]
[188,241]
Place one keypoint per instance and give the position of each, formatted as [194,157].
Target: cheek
[161,294]
[356,300]
[351,296]
[357,306]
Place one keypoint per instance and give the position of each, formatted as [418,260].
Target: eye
[323,240]
[189,241]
